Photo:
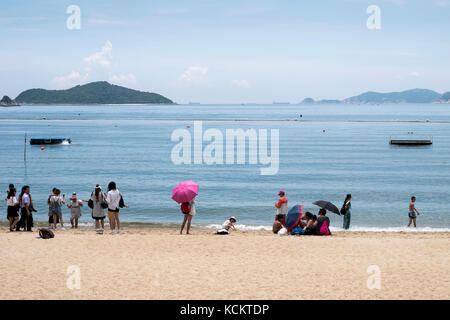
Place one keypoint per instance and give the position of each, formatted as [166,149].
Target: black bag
[46,233]
[343,211]
[104,204]
[91,203]
[121,203]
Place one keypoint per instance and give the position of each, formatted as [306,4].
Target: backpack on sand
[186,207]
[45,233]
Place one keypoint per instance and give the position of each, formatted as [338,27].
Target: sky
[247,51]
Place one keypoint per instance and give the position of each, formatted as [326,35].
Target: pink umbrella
[185,191]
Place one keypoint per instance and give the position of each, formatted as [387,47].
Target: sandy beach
[161,264]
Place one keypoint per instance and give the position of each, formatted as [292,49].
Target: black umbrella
[327,205]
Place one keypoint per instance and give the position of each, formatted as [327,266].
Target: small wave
[242,227]
[337,229]
[391,229]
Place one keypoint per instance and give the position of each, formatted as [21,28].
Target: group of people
[309,224]
[98,203]
[20,212]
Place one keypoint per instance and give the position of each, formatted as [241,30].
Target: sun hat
[233,217]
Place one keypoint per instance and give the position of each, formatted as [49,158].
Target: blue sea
[329,151]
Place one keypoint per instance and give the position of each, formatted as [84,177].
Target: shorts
[98,218]
[412,214]
[112,211]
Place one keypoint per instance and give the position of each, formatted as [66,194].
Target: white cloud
[442,3]
[126,80]
[70,80]
[102,58]
[414,74]
[194,75]
[240,83]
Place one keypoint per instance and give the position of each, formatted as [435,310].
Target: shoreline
[135,225]
[229,120]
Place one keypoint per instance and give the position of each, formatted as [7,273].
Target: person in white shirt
[227,226]
[113,199]
[75,210]
[13,209]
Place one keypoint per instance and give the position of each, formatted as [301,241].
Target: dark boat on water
[411,142]
[46,141]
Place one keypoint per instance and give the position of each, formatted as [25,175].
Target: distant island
[100,92]
[408,96]
[8,102]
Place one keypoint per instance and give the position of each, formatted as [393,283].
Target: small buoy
[323,130]
[42,148]
[188,126]
[49,125]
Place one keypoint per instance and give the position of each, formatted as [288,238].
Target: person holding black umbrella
[346,211]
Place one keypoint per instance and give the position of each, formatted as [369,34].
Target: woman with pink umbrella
[185,193]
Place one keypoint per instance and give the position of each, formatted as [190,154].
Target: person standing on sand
[26,216]
[11,186]
[115,202]
[412,212]
[188,209]
[50,214]
[281,206]
[13,208]
[75,210]
[346,211]
[98,212]
[56,203]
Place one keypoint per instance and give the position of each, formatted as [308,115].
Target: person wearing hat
[227,226]
[75,210]
[281,205]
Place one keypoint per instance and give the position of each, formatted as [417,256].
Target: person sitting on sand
[311,221]
[323,224]
[278,225]
[298,230]
[412,212]
[75,210]
[227,226]
[281,205]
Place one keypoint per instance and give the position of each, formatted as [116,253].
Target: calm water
[132,146]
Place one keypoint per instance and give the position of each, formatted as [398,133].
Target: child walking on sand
[75,210]
[412,212]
